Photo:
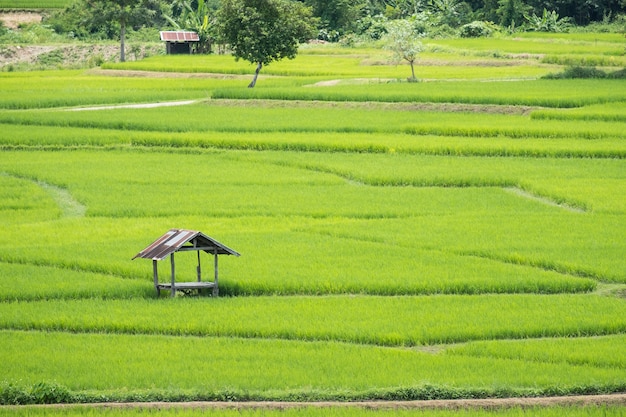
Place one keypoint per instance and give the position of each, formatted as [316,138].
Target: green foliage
[263,31]
[512,12]
[578,72]
[338,15]
[38,393]
[402,40]
[477,29]
[29,34]
[453,13]
[106,19]
[199,20]
[548,22]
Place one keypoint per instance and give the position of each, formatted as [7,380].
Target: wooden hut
[179,41]
[182,240]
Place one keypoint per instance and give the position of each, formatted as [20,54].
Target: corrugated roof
[179,36]
[183,239]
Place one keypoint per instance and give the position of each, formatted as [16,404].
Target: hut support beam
[215,288]
[199,269]
[173,275]
[155,273]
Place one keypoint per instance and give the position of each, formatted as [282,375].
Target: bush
[328,35]
[12,395]
[372,26]
[49,393]
[584,72]
[547,22]
[40,393]
[477,29]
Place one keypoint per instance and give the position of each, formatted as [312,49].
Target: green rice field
[463,237]
[33,4]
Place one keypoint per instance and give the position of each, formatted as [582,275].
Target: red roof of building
[179,36]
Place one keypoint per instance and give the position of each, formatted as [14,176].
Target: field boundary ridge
[457,404]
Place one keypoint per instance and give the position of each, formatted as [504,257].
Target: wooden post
[155,273]
[198,269]
[173,273]
[216,290]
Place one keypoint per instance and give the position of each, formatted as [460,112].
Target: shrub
[621,74]
[547,22]
[477,29]
[39,393]
[12,395]
[49,393]
[578,72]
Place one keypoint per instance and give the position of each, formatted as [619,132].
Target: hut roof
[181,239]
[179,36]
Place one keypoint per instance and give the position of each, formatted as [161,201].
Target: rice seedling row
[217,118]
[391,321]
[576,351]
[316,67]
[571,93]
[38,282]
[75,88]
[536,43]
[21,136]
[33,4]
[274,369]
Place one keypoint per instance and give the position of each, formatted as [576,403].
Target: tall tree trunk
[256,75]
[122,41]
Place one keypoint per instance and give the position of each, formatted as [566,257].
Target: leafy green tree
[512,12]
[405,8]
[263,31]
[126,13]
[339,15]
[452,12]
[106,19]
[402,40]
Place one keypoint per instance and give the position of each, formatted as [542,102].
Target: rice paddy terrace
[461,237]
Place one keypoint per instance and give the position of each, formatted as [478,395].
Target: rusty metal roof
[179,36]
[182,240]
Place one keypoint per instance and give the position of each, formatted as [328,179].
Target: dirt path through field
[493,403]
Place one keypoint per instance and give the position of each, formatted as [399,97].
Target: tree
[512,12]
[339,15]
[127,13]
[402,40]
[263,31]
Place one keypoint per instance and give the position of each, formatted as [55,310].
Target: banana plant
[198,20]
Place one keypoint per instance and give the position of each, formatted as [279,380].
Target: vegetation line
[67,266]
[462,404]
[546,266]
[69,206]
[542,199]
[136,106]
